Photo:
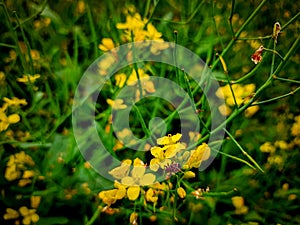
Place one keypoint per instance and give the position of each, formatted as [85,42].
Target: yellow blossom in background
[109,197]
[133,77]
[295,130]
[106,44]
[133,22]
[5,120]
[28,78]
[281,144]
[105,64]
[170,139]
[122,170]
[238,95]
[239,204]
[189,174]
[116,104]
[250,111]
[15,102]
[120,79]
[29,215]
[267,147]
[10,214]
[80,8]
[201,153]
[16,164]
[2,78]
[35,201]
[151,195]
[181,192]
[133,218]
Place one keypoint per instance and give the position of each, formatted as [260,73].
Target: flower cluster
[236,95]
[13,105]
[17,167]
[133,180]
[29,215]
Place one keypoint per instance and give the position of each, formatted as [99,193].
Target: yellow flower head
[170,139]
[201,153]
[15,102]
[28,78]
[29,215]
[181,192]
[10,214]
[116,104]
[106,44]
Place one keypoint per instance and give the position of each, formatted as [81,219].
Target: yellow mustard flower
[164,154]
[5,120]
[151,195]
[120,79]
[109,197]
[16,164]
[133,218]
[35,201]
[106,44]
[168,140]
[201,153]
[189,175]
[239,204]
[15,102]
[181,192]
[116,104]
[29,215]
[10,214]
[2,78]
[28,78]
[133,22]
[122,170]
[106,63]
[152,33]
[137,177]
[267,147]
[295,130]
[133,78]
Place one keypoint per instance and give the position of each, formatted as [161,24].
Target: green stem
[244,152]
[94,217]
[14,37]
[277,98]
[237,34]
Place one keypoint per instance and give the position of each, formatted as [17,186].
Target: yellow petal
[128,181]
[181,192]
[147,179]
[14,118]
[154,164]
[138,171]
[133,192]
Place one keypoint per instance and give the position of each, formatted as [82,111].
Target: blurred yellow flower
[133,77]
[239,204]
[15,102]
[168,140]
[116,104]
[29,215]
[28,78]
[35,201]
[267,147]
[181,192]
[109,197]
[133,218]
[151,195]
[10,214]
[201,153]
[295,130]
[106,44]
[5,120]
[189,174]
[120,79]
[133,22]
[122,170]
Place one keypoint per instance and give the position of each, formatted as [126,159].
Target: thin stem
[243,151]
[230,17]
[277,98]
[94,217]
[249,19]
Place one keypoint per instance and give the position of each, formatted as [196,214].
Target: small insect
[172,168]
